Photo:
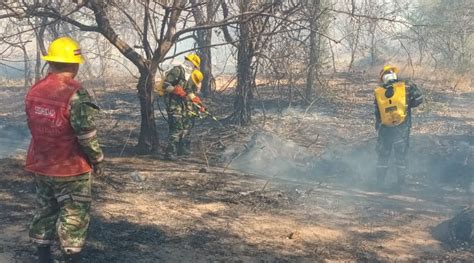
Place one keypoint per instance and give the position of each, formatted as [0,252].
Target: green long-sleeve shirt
[177,77]
[82,114]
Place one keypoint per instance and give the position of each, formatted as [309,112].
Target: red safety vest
[54,149]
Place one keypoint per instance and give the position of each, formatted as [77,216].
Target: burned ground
[295,187]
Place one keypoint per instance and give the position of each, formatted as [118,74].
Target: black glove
[98,168]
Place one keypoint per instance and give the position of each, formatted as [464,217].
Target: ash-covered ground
[295,187]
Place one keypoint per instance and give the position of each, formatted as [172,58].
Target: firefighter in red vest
[63,152]
[394,100]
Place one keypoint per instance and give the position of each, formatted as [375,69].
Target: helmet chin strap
[188,68]
[188,65]
[389,77]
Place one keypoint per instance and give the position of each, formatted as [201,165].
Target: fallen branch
[126,142]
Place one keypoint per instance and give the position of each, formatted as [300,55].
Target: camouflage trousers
[180,123]
[62,208]
[396,140]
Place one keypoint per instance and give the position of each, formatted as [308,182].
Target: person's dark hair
[59,65]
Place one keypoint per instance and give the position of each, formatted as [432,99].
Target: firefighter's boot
[184,148]
[381,174]
[401,175]
[72,258]
[44,254]
[170,153]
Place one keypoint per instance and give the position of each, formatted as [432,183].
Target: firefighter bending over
[181,84]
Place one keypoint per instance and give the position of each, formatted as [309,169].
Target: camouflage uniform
[65,200]
[395,138]
[189,119]
[180,112]
[63,203]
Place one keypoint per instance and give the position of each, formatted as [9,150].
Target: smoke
[448,162]
[14,139]
[267,155]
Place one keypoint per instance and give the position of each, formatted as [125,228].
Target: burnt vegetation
[284,172]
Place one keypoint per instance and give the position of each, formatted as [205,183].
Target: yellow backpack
[159,87]
[393,110]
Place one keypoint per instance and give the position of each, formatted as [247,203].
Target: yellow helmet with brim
[64,50]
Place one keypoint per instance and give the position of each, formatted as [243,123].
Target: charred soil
[319,206]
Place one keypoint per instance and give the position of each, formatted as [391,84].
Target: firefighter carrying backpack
[159,84]
[392,104]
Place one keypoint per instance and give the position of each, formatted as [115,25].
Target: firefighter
[181,84]
[193,106]
[63,152]
[394,99]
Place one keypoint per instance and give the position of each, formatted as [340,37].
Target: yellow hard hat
[195,59]
[388,68]
[197,77]
[64,50]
